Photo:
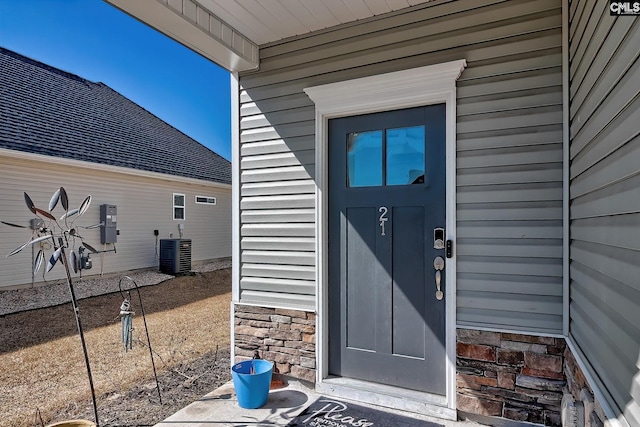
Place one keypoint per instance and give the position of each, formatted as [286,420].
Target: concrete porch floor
[220,408]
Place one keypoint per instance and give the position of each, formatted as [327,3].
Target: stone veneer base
[519,377]
[513,376]
[580,389]
[285,337]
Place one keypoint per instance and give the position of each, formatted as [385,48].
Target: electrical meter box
[108,221]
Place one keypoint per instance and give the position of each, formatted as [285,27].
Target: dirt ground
[42,366]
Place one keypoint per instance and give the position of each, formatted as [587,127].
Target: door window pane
[405,155]
[364,159]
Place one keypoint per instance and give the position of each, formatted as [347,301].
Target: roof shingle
[44,110]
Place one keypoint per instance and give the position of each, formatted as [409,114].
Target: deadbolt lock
[438,238]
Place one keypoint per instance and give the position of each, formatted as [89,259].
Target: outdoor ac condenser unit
[175,256]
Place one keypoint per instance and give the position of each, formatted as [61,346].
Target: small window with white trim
[178,206]
[205,200]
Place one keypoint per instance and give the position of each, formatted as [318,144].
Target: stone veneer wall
[514,376]
[285,337]
[519,377]
[580,389]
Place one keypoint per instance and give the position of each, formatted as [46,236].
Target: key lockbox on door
[108,219]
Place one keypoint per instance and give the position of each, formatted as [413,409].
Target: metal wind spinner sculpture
[61,234]
[58,235]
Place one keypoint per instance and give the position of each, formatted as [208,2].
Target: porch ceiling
[266,21]
[230,32]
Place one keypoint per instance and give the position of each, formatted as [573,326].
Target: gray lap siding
[509,153]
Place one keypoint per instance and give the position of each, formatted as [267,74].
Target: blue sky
[100,43]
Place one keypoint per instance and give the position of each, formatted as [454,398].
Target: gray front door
[386,198]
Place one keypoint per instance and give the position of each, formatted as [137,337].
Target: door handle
[438,264]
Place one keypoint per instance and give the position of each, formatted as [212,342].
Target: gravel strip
[17,300]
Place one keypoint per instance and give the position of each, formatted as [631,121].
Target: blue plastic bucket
[252,379]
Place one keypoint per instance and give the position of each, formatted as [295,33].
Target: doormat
[326,412]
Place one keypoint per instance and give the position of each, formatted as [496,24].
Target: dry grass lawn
[41,361]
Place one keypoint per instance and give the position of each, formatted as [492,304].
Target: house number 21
[383,218]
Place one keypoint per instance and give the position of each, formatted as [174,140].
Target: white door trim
[431,84]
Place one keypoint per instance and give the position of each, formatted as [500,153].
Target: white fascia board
[235,191]
[60,161]
[229,49]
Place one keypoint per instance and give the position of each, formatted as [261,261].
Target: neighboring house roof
[44,110]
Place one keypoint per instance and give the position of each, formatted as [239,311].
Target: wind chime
[126,324]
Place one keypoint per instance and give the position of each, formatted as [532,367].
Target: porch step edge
[388,398]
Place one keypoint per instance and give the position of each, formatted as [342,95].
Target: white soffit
[229,32]
[266,21]
[197,28]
